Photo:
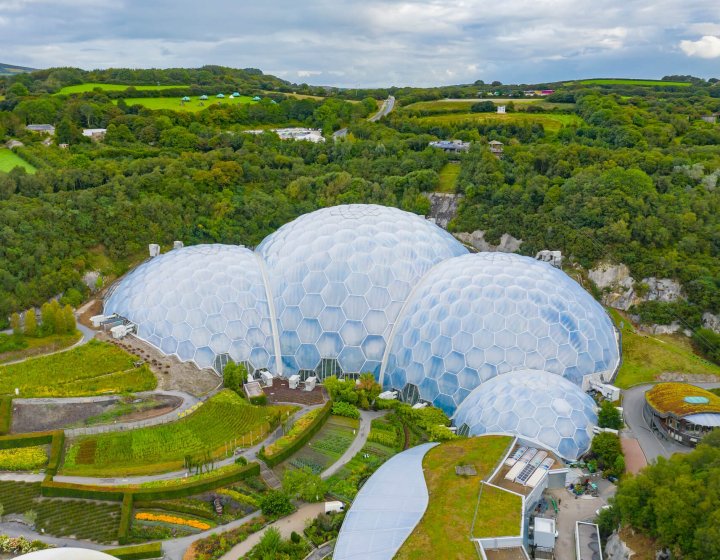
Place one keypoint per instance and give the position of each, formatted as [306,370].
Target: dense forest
[624,173]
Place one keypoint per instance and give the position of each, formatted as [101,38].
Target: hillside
[11,70]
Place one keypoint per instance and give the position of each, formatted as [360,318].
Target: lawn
[552,122]
[82,88]
[194,105]
[627,81]
[91,369]
[9,160]
[448,520]
[448,177]
[326,447]
[647,356]
[498,513]
[222,423]
[34,346]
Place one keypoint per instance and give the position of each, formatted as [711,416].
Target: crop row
[18,497]
[79,518]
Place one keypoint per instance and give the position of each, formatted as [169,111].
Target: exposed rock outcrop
[90,279]
[662,289]
[508,244]
[443,207]
[621,291]
[616,549]
[711,322]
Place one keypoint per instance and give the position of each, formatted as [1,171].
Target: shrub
[483,107]
[294,537]
[609,416]
[606,447]
[276,504]
[260,400]
[301,432]
[304,484]
[345,409]
[241,461]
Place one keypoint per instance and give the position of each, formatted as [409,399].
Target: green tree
[276,504]
[15,324]
[483,107]
[67,133]
[68,318]
[304,484]
[30,322]
[712,438]
[48,315]
[609,416]
[606,447]
[234,376]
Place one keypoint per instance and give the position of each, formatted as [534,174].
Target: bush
[609,416]
[242,461]
[483,107]
[294,537]
[260,400]
[276,504]
[707,342]
[345,409]
[606,447]
[5,414]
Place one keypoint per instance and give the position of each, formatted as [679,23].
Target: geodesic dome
[478,316]
[538,406]
[204,304]
[339,278]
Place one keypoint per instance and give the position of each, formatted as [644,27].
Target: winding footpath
[366,418]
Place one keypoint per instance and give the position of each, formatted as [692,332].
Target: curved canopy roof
[386,510]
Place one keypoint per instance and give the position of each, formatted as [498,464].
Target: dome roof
[66,554]
[201,303]
[339,278]
[481,315]
[538,406]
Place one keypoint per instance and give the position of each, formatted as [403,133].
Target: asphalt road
[387,106]
[653,444]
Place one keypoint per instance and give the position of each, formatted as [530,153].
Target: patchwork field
[92,369]
[646,356]
[82,88]
[224,422]
[326,447]
[448,520]
[552,122]
[194,105]
[627,81]
[9,160]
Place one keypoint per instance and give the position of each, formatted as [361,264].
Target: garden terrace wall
[137,552]
[300,440]
[125,518]
[28,440]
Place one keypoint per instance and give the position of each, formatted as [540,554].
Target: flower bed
[20,545]
[23,458]
[216,545]
[172,519]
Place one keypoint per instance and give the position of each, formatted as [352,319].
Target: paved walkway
[653,444]
[366,418]
[286,525]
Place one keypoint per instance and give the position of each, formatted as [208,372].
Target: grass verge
[9,160]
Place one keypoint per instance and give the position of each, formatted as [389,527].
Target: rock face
[443,207]
[616,549]
[619,289]
[90,279]
[711,322]
[508,244]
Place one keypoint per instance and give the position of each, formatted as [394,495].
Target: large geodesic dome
[204,304]
[537,406]
[340,276]
[481,315]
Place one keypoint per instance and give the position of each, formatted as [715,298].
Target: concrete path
[22,476]
[366,418]
[286,525]
[653,444]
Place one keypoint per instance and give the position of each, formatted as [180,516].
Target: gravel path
[366,418]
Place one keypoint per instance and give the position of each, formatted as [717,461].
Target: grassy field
[647,356]
[40,345]
[92,369]
[9,160]
[326,447]
[551,122]
[448,519]
[464,105]
[448,177]
[222,421]
[498,514]
[174,104]
[82,88]
[627,81]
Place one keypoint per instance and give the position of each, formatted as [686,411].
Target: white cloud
[708,46]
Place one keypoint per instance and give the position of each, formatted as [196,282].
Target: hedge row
[301,440]
[5,415]
[28,440]
[52,489]
[57,445]
[137,552]
[126,512]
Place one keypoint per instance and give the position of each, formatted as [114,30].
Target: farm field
[194,105]
[92,369]
[216,426]
[82,88]
[551,122]
[326,447]
[646,356]
[9,160]
[448,518]
[463,105]
[448,177]
[81,519]
[627,81]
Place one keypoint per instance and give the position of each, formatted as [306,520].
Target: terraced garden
[326,447]
[92,369]
[224,422]
[18,497]
[80,519]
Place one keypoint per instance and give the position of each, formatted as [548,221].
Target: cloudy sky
[373,42]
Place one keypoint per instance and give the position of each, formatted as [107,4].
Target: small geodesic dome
[537,406]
